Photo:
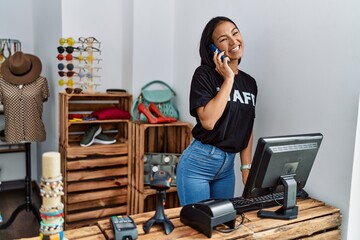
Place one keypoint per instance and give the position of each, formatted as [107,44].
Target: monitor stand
[289,210]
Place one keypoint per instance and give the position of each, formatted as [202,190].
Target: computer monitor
[282,163]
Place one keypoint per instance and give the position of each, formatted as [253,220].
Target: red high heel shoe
[156,111]
[151,119]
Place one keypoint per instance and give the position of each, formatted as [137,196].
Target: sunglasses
[89,40]
[69,82]
[67,57]
[82,74]
[87,66]
[91,49]
[68,66]
[87,59]
[69,49]
[66,74]
[70,41]
[73,90]
[71,67]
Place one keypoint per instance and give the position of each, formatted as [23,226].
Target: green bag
[161,97]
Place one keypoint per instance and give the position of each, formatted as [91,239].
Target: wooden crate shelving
[96,178]
[154,138]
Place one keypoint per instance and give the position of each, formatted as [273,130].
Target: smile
[235,49]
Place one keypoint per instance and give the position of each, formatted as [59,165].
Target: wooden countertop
[85,233]
[315,219]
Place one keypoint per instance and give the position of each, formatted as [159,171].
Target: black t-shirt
[233,130]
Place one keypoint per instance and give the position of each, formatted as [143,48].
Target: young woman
[222,99]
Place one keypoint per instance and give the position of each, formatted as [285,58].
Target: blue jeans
[204,172]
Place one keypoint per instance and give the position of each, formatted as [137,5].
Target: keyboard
[242,204]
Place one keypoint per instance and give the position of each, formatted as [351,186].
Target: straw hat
[21,68]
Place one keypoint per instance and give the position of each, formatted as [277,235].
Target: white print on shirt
[244,100]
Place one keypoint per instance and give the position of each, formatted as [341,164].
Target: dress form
[22,92]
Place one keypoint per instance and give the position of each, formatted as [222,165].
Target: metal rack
[28,205]
[8,47]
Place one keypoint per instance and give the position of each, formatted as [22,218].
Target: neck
[234,66]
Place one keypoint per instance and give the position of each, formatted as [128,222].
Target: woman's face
[228,39]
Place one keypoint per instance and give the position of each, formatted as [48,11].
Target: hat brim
[31,76]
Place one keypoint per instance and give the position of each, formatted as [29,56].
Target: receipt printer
[205,215]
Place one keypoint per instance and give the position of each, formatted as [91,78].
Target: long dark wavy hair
[206,54]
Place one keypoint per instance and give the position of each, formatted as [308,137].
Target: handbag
[161,97]
[154,162]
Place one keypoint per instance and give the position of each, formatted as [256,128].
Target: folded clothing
[111,113]
[75,115]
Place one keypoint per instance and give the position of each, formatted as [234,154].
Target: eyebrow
[235,28]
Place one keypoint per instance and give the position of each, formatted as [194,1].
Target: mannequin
[22,92]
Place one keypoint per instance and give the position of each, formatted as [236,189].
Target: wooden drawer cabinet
[97,177]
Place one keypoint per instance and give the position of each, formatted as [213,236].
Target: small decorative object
[52,209]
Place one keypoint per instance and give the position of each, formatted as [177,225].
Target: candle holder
[51,190]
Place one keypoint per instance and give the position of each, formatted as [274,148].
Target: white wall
[153,43]
[303,54]
[47,26]
[22,29]
[305,57]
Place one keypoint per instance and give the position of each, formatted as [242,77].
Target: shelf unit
[96,178]
[154,138]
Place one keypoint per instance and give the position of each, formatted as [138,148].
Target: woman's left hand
[222,66]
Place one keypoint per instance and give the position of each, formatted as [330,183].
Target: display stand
[7,48]
[28,205]
[85,72]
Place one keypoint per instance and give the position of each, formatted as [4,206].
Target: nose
[232,41]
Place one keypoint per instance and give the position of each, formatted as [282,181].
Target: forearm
[245,154]
[213,110]
[245,157]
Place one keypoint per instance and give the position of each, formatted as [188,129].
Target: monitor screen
[282,164]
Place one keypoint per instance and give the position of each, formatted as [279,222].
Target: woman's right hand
[213,110]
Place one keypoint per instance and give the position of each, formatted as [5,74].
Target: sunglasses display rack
[78,66]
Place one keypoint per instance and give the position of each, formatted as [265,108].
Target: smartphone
[214,48]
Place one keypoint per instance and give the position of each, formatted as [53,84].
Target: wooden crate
[72,131]
[95,187]
[154,138]
[96,178]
